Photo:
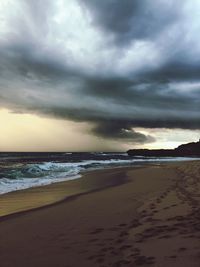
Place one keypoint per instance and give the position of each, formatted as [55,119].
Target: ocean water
[24,170]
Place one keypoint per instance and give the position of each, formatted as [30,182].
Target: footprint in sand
[142,260]
[182,249]
[97,231]
[173,256]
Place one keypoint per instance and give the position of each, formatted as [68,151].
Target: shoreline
[13,185]
[30,199]
[151,218]
[14,203]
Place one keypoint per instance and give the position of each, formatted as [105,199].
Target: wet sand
[40,196]
[134,217]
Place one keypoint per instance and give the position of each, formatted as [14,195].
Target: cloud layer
[115,64]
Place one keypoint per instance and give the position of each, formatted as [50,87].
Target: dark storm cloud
[143,71]
[120,130]
[130,20]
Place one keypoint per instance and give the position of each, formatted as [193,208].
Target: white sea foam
[7,185]
[39,174]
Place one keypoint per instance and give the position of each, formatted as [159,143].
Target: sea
[31,169]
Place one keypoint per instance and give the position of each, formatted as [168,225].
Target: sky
[90,75]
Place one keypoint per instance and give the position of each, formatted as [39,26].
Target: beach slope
[143,217]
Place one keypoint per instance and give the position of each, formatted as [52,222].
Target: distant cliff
[185,150]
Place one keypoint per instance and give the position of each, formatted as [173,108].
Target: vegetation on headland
[184,150]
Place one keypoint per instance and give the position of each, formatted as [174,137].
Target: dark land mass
[185,150]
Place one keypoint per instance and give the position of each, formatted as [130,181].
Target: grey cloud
[120,130]
[42,80]
[174,71]
[132,20]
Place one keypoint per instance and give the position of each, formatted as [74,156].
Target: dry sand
[151,217]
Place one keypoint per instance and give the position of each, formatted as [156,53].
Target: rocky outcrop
[185,150]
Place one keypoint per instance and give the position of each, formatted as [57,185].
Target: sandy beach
[146,216]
